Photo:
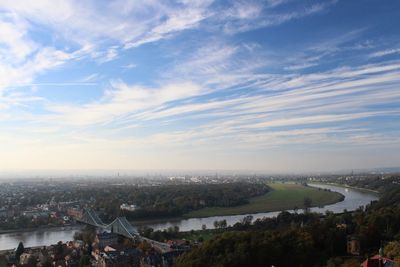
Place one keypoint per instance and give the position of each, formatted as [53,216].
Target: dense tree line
[176,200]
[23,222]
[377,183]
[261,248]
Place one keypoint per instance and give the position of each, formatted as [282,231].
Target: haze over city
[274,85]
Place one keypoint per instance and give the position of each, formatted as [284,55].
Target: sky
[269,85]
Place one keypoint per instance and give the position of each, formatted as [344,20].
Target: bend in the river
[354,198]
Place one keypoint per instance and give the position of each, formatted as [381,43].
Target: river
[353,199]
[42,237]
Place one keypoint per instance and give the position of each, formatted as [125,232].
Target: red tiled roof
[374,262]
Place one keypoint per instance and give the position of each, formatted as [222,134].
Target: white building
[128,207]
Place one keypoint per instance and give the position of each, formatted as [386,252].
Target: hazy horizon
[274,86]
[124,173]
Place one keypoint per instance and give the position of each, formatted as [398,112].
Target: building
[36,214]
[105,239]
[178,244]
[126,257]
[128,207]
[24,258]
[378,261]
[39,255]
[75,213]
[353,245]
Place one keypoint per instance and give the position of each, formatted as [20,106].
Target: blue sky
[272,85]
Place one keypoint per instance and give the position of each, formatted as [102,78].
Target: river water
[353,199]
[42,237]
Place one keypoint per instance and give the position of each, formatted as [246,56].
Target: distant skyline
[166,173]
[279,86]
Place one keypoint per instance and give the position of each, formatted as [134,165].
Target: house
[378,261]
[128,207]
[78,244]
[75,213]
[35,214]
[341,226]
[105,239]
[70,261]
[178,244]
[126,257]
[39,253]
[353,245]
[24,258]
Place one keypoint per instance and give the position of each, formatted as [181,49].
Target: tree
[144,246]
[176,229]
[307,204]
[89,249]
[392,249]
[59,248]
[47,263]
[247,220]
[32,261]
[334,262]
[84,261]
[247,248]
[78,236]
[295,209]
[88,234]
[19,251]
[3,260]
[223,223]
[147,231]
[351,263]
[220,224]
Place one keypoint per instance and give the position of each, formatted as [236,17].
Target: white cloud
[130,66]
[275,3]
[308,103]
[301,66]
[120,101]
[386,52]
[14,39]
[94,25]
[247,16]
[24,73]
[109,55]
[187,17]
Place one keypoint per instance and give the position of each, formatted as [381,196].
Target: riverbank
[348,186]
[42,228]
[37,237]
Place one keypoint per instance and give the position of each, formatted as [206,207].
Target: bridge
[120,226]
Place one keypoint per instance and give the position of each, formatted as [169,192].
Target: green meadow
[283,196]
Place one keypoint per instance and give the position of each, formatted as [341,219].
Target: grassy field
[282,197]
